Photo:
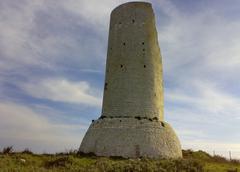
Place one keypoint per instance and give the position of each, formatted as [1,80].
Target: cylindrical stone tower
[131,124]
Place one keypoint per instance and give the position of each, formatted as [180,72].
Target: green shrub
[188,165]
[200,155]
[217,158]
[7,150]
[27,151]
[59,162]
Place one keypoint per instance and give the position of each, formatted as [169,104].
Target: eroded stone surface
[130,137]
[133,82]
[132,124]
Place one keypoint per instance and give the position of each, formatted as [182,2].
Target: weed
[59,162]
[7,150]
[27,151]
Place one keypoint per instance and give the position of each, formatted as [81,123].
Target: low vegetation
[71,161]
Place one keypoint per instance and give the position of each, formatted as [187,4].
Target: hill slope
[192,162]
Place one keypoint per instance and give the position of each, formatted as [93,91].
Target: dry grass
[198,161]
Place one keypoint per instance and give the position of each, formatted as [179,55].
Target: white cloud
[204,41]
[22,127]
[201,64]
[93,12]
[206,118]
[63,90]
[226,56]
[15,26]
[202,45]
[206,96]
[27,40]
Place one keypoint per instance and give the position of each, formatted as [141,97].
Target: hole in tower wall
[121,66]
[143,49]
[133,20]
[163,124]
[144,66]
[105,86]
[142,43]
[138,117]
[124,43]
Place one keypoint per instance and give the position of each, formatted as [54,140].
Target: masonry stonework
[132,124]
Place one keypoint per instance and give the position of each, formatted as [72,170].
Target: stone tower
[132,124]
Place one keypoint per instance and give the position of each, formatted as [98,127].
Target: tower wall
[132,123]
[133,82]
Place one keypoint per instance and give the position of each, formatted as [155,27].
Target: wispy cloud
[22,127]
[95,13]
[201,63]
[64,91]
[204,116]
[206,96]
[206,41]
[56,51]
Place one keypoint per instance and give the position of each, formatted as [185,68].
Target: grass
[198,161]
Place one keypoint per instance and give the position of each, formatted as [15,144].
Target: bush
[82,154]
[68,152]
[59,162]
[188,165]
[217,158]
[7,150]
[27,151]
[235,161]
[200,155]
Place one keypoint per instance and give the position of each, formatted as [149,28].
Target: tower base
[131,137]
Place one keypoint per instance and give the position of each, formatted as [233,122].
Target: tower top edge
[133,4]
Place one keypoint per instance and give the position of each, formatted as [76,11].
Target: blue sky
[52,62]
